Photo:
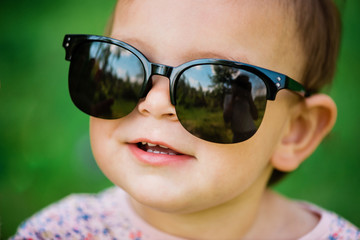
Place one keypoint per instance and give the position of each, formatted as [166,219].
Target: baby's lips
[146,144]
[155,148]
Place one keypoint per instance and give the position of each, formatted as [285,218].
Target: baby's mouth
[157,149]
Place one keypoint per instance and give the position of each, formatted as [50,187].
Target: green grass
[44,144]
[205,124]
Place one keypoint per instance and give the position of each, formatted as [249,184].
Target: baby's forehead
[259,15]
[236,29]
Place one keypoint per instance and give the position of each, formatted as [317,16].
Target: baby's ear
[309,123]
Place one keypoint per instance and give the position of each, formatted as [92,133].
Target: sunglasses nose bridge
[165,71]
[160,69]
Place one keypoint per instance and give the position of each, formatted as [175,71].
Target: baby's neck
[219,223]
[280,218]
[264,215]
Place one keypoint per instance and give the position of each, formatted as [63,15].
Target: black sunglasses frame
[274,81]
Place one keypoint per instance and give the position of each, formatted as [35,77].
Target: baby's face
[206,174]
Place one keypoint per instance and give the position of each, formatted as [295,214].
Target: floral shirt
[109,215]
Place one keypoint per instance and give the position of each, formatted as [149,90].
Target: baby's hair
[318,25]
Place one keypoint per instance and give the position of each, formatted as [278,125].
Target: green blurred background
[44,144]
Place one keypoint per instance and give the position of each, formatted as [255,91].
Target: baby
[196,107]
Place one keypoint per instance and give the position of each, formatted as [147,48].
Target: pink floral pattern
[109,215]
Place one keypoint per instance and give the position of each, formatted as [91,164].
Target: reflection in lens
[105,79]
[220,103]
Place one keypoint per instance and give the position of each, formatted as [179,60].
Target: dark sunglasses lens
[219,103]
[105,79]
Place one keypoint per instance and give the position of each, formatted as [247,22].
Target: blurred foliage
[44,144]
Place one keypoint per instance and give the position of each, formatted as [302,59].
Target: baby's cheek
[107,151]
[100,142]
[95,134]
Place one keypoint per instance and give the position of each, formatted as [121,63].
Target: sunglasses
[216,100]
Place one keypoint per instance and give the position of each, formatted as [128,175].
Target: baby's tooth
[150,151]
[163,146]
[143,143]
[156,152]
[151,145]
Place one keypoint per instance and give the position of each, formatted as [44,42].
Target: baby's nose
[157,101]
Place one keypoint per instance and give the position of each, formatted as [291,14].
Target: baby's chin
[167,200]
[161,206]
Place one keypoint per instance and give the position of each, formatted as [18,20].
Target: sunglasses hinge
[160,69]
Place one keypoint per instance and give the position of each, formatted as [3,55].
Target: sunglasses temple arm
[293,85]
